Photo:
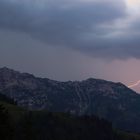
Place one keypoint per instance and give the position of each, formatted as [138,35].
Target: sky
[72,39]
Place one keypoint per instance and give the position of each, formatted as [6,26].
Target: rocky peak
[7,74]
[6,70]
[10,79]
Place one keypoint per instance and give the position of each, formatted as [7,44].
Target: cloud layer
[100,28]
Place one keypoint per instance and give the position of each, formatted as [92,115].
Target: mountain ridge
[4,69]
[112,101]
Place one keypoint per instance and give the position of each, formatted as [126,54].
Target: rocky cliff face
[113,101]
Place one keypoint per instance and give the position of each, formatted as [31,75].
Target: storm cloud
[100,28]
[72,39]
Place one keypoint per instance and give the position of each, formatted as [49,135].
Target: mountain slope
[44,125]
[112,101]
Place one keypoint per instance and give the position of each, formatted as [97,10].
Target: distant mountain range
[112,101]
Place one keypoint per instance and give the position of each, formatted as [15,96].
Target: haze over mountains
[112,101]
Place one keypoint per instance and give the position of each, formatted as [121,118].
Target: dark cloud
[88,26]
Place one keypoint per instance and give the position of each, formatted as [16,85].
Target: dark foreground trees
[6,131]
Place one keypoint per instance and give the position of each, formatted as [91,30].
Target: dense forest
[17,123]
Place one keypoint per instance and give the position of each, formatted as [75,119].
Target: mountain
[4,98]
[112,101]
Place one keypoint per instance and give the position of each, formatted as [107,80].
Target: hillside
[44,125]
